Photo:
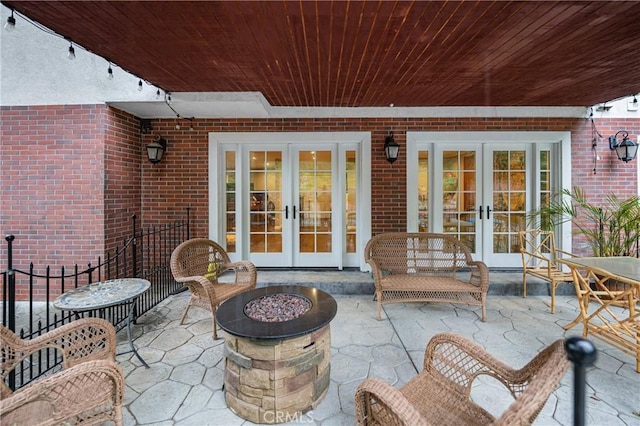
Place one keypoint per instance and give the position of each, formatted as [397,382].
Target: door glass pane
[459,196]
[545,178]
[315,201]
[350,203]
[509,199]
[423,191]
[230,209]
[265,201]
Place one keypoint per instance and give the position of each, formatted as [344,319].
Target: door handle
[286,212]
[480,211]
[294,212]
[489,212]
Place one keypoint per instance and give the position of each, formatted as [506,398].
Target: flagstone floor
[184,384]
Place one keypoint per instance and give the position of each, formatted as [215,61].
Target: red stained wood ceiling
[366,53]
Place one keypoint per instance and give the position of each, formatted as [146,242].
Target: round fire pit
[277,349]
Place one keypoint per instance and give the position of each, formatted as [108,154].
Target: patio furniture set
[406,267]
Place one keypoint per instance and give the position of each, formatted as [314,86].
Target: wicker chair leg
[524,283]
[184,314]
[117,418]
[554,284]
[215,324]
[379,306]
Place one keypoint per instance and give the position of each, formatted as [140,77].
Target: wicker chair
[89,389]
[197,263]
[440,394]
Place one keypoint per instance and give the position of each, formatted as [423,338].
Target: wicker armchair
[440,394]
[197,263]
[89,389]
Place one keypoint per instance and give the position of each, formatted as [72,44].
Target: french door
[291,196]
[481,192]
[484,193]
[290,204]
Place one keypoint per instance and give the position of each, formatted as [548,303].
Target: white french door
[291,197]
[483,196]
[313,200]
[289,204]
[481,192]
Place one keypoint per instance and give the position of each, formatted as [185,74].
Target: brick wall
[123,158]
[52,180]
[70,172]
[52,165]
[181,178]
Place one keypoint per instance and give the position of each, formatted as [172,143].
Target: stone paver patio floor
[183,385]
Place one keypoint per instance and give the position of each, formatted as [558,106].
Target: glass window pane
[323,160]
[307,243]
[324,243]
[274,243]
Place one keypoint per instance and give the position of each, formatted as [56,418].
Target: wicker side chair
[198,263]
[88,390]
[440,394]
[539,259]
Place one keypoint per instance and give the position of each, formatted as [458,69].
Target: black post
[11,275]
[11,295]
[582,353]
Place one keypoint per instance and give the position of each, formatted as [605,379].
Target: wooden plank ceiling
[366,53]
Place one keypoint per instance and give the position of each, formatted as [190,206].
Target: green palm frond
[611,228]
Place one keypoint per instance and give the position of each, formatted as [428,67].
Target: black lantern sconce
[156,149]
[626,149]
[391,148]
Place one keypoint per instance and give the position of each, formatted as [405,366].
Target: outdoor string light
[11,23]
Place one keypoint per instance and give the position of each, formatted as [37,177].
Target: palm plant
[611,228]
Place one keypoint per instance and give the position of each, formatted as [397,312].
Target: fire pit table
[277,348]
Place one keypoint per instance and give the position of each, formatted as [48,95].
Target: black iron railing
[145,254]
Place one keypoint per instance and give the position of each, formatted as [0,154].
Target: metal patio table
[105,294]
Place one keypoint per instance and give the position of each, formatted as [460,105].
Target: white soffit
[254,105]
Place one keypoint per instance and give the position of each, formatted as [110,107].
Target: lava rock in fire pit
[277,307]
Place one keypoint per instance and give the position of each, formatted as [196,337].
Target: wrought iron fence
[145,254]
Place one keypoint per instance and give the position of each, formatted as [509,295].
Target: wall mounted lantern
[626,149]
[391,148]
[156,149]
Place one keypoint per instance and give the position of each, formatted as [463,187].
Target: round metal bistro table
[105,294]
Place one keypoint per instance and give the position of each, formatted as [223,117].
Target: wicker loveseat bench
[425,267]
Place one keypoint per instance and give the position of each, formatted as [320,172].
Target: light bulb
[139,85]
[177,126]
[168,98]
[11,23]
[110,73]
[72,52]
[158,94]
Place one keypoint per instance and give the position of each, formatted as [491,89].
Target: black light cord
[594,142]
[73,43]
[167,96]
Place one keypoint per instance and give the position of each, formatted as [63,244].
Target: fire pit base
[275,381]
[276,371]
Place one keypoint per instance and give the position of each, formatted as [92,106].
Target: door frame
[418,140]
[216,188]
